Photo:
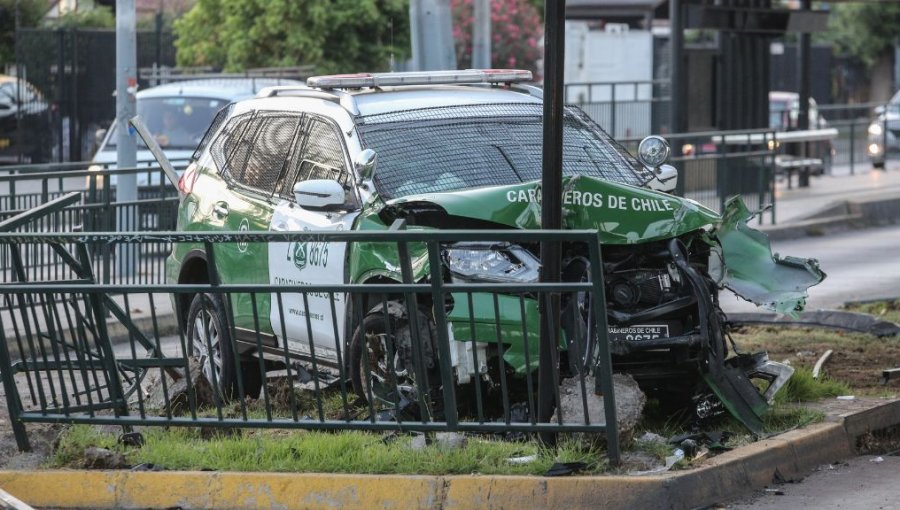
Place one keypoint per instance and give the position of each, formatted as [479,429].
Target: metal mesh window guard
[459,147]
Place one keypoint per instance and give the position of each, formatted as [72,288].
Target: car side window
[252,151]
[268,158]
[319,156]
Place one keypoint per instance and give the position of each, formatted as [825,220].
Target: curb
[840,217]
[793,455]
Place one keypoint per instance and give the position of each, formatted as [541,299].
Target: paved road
[860,265]
[859,484]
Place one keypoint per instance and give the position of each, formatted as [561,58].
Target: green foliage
[865,30]
[334,35]
[98,17]
[516,31]
[30,13]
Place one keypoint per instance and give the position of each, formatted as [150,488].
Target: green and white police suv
[460,149]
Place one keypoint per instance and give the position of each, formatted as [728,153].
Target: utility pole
[126,149]
[481,35]
[431,34]
[804,68]
[551,206]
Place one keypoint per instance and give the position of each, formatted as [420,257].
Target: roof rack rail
[369,80]
[343,99]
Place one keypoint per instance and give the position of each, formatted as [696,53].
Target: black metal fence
[95,209]
[853,122]
[466,362]
[65,90]
[624,109]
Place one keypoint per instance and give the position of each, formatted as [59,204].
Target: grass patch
[801,387]
[858,358]
[321,452]
[888,310]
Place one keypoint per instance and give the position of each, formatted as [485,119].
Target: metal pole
[676,42]
[126,149]
[481,35]
[551,209]
[803,65]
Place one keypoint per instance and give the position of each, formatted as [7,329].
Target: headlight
[874,149]
[875,129]
[491,262]
[653,151]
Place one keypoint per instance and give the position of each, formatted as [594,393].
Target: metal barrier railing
[23,188]
[466,362]
[624,109]
[710,171]
[853,121]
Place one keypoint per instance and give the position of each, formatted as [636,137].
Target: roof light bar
[363,80]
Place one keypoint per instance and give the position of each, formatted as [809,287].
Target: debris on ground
[444,440]
[630,401]
[179,397]
[817,369]
[101,458]
[566,468]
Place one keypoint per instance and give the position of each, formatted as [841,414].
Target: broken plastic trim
[752,272]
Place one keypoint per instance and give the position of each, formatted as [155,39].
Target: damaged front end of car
[664,261]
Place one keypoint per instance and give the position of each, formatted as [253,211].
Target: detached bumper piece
[730,379]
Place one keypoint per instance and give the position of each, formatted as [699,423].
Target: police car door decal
[303,263]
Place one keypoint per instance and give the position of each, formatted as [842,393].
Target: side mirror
[364,162]
[666,179]
[319,195]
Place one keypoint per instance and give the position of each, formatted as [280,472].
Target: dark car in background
[23,110]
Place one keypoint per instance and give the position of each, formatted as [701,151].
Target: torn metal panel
[752,272]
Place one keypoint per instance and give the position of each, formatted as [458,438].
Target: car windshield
[460,147]
[177,123]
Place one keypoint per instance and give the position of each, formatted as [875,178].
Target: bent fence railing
[96,210]
[335,355]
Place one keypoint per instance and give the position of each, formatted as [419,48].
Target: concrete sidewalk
[838,202]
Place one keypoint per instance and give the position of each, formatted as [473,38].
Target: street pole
[481,35]
[431,35]
[551,208]
[126,149]
[677,122]
[803,68]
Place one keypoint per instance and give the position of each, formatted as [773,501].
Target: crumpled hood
[625,214]
[621,213]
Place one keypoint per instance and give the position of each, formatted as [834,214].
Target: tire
[878,165]
[396,374]
[209,336]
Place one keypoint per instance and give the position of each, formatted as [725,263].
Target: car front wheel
[382,364]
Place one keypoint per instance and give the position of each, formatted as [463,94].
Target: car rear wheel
[209,336]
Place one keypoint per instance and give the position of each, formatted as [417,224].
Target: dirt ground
[857,360]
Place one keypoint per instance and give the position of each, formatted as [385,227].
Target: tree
[865,30]
[29,14]
[516,31]
[97,17]
[333,35]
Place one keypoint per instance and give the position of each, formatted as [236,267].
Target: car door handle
[220,209]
